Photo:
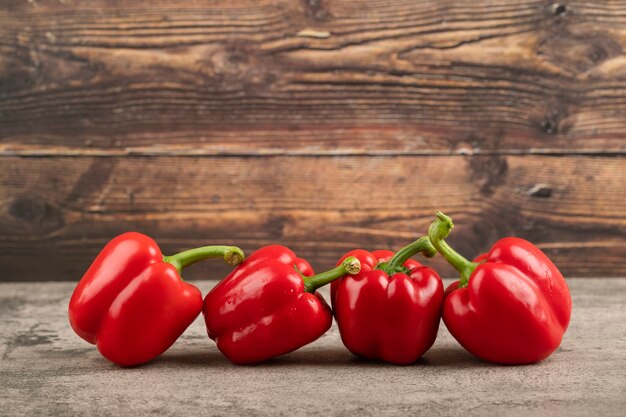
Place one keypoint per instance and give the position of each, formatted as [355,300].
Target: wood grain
[313,77]
[321,124]
[57,212]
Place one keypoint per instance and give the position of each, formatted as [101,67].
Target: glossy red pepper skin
[515,308]
[131,303]
[261,309]
[393,318]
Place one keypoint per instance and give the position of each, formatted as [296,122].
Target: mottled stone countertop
[47,370]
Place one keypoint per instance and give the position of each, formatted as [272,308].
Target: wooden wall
[321,124]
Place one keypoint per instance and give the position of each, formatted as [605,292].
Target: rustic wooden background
[321,124]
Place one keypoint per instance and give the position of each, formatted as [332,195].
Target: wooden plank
[57,212]
[326,77]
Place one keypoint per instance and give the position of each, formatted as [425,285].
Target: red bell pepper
[132,303]
[268,305]
[390,310]
[511,306]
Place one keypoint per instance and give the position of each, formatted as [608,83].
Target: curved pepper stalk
[397,261]
[349,266]
[232,255]
[510,306]
[438,231]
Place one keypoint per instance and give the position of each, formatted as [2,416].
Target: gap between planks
[331,153]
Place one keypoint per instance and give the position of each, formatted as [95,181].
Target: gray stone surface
[47,370]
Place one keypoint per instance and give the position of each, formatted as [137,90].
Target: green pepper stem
[231,254]
[350,265]
[396,263]
[438,231]
[422,245]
